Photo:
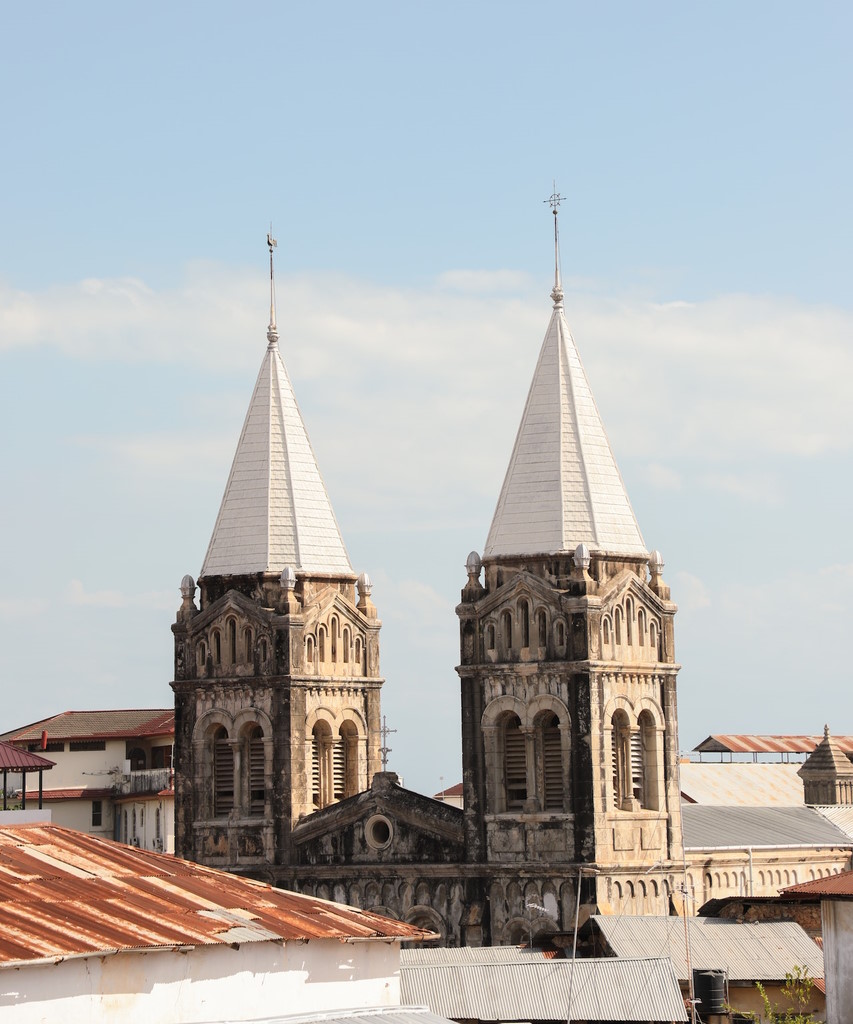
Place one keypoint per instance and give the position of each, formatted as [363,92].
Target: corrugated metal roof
[840,886]
[14,760]
[759,951]
[741,784]
[841,816]
[747,743]
[708,828]
[602,990]
[64,892]
[80,725]
[378,1015]
[449,955]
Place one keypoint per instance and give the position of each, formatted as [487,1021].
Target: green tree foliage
[797,992]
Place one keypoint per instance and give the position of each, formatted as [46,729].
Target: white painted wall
[209,984]
[837,928]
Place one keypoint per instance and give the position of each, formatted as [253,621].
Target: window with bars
[223,774]
[515,764]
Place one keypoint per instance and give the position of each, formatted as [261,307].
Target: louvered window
[637,768]
[620,757]
[315,771]
[257,788]
[515,765]
[339,769]
[223,775]
[552,765]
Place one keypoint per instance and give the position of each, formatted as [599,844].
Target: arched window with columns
[648,735]
[346,761]
[620,758]
[321,765]
[549,744]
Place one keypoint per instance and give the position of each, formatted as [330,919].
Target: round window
[378,831]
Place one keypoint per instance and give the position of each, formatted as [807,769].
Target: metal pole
[574,948]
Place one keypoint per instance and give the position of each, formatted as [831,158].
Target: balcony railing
[151,780]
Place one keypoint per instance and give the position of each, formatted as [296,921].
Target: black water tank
[710,988]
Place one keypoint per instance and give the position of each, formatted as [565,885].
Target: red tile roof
[64,892]
[14,760]
[838,886]
[88,725]
[456,790]
[70,793]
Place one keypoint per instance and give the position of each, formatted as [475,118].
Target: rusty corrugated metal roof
[839,886]
[65,893]
[14,760]
[77,725]
[747,743]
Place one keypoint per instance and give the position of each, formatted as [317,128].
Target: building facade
[567,675]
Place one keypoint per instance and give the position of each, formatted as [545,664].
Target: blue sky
[402,153]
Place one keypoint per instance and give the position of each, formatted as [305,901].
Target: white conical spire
[562,487]
[275,511]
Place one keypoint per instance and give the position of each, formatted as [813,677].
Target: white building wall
[837,928]
[206,984]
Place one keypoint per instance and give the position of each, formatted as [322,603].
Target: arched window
[309,653]
[333,633]
[549,741]
[223,774]
[321,644]
[515,764]
[605,631]
[232,641]
[346,644]
[490,636]
[202,654]
[617,624]
[649,795]
[653,636]
[321,764]
[264,652]
[506,631]
[217,647]
[641,627]
[524,616]
[358,651]
[629,620]
[253,758]
[560,633]
[542,624]
[249,648]
[620,756]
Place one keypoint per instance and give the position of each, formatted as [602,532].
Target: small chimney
[44,739]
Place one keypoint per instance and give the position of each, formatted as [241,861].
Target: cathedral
[567,679]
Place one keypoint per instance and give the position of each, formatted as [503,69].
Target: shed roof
[639,989]
[88,725]
[65,893]
[763,784]
[562,487]
[707,827]
[841,816]
[839,886]
[747,743]
[754,951]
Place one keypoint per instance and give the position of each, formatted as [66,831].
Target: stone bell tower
[277,666]
[569,722]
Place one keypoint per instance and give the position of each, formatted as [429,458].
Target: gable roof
[562,487]
[749,743]
[275,511]
[707,828]
[87,725]
[747,951]
[63,892]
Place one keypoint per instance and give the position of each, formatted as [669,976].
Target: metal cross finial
[554,201]
[385,750]
[272,333]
